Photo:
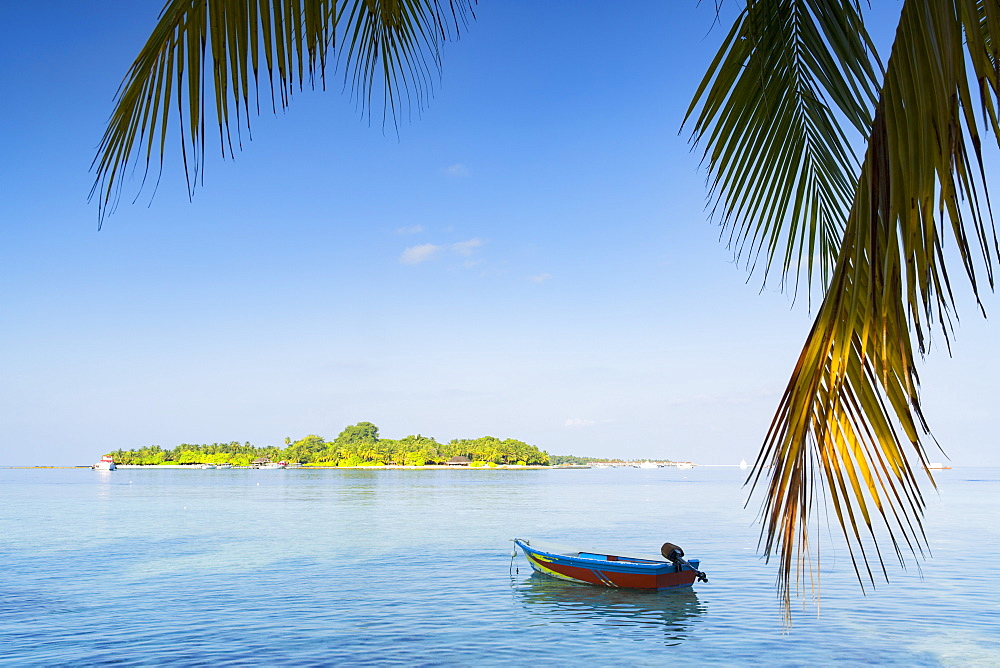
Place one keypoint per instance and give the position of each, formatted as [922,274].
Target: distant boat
[649,465]
[610,570]
[743,464]
[107,463]
[937,466]
[225,465]
[266,463]
[208,466]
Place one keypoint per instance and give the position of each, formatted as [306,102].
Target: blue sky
[529,258]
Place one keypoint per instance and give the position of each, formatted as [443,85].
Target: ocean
[413,567]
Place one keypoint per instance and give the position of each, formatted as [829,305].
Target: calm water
[413,567]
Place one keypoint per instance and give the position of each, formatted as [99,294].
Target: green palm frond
[849,426]
[392,45]
[782,168]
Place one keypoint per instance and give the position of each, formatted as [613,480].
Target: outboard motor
[672,553]
[675,555]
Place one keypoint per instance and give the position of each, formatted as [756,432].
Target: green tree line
[356,445]
[556,460]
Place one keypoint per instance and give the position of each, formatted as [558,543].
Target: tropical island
[356,445]
[573,460]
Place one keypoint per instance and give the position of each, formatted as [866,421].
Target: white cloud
[424,252]
[579,422]
[418,254]
[410,229]
[457,170]
[539,278]
[467,247]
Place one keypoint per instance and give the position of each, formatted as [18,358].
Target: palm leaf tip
[768,114]
[214,52]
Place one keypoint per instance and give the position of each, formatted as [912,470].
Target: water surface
[413,567]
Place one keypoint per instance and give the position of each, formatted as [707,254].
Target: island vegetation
[574,460]
[356,445]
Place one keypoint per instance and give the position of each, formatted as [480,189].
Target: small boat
[612,570]
[266,463]
[107,463]
[937,466]
[208,466]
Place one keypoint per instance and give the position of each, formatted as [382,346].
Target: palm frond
[850,425]
[395,43]
[781,167]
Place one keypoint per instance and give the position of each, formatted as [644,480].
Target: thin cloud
[423,252]
[418,254]
[410,229]
[467,247]
[458,170]
[539,278]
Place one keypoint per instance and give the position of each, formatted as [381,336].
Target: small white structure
[266,463]
[107,463]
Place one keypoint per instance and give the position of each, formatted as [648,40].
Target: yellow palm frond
[395,43]
[849,427]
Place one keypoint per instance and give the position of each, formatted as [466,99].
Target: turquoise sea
[360,567]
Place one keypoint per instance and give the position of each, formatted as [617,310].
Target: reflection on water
[669,612]
[104,481]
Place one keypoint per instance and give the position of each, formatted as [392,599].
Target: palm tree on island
[796,87]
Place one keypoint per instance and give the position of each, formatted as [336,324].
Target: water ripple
[396,568]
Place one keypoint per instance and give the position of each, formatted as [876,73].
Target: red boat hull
[609,570]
